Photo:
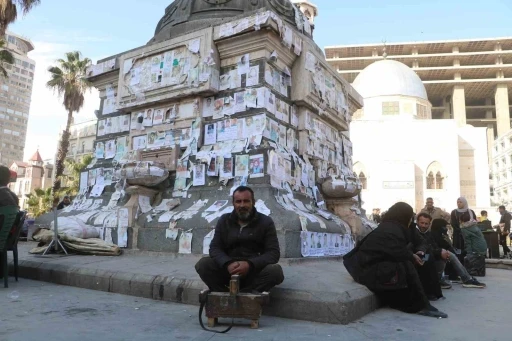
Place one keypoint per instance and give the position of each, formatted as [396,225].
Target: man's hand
[232,267]
[445,255]
[242,269]
[239,268]
[420,253]
[418,260]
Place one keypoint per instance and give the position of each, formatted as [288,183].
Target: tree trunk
[61,154]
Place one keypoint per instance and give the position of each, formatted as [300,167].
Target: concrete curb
[504,264]
[313,306]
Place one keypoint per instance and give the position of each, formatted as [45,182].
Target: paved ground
[48,311]
[313,290]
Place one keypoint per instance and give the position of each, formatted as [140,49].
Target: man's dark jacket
[257,242]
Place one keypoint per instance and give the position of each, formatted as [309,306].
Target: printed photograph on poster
[148,118]
[185,137]
[253,76]
[212,167]
[158,117]
[287,170]
[240,128]
[217,205]
[110,149]
[185,245]
[108,174]
[139,142]
[239,105]
[170,138]
[91,180]
[235,79]
[256,164]
[199,175]
[207,241]
[210,134]
[108,126]
[304,237]
[100,150]
[290,138]
[169,115]
[101,127]
[134,121]
[227,167]
[250,97]
[180,184]
[254,142]
[225,82]
[182,169]
[243,64]
[237,182]
[208,106]
[125,123]
[218,107]
[282,135]
[270,101]
[274,131]
[242,165]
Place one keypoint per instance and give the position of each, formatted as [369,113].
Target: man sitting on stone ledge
[245,244]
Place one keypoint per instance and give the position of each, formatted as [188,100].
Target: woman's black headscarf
[438,227]
[400,212]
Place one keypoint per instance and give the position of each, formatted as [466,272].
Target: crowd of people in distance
[409,259]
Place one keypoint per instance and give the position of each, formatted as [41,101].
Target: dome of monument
[184,16]
[389,78]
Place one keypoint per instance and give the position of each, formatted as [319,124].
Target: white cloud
[47,116]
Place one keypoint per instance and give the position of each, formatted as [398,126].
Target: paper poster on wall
[227,167]
[208,106]
[243,64]
[242,165]
[207,241]
[256,165]
[182,169]
[185,244]
[148,118]
[91,180]
[185,137]
[212,167]
[217,205]
[253,76]
[251,97]
[139,142]
[83,180]
[254,142]
[158,117]
[110,149]
[199,175]
[305,241]
[97,190]
[100,150]
[210,135]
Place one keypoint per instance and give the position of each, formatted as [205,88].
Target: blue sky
[102,28]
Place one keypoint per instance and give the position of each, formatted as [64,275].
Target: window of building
[83,147]
[25,64]
[435,177]
[29,172]
[421,111]
[390,108]
[49,173]
[11,39]
[364,181]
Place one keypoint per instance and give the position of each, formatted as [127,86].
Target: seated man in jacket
[443,251]
[385,261]
[245,243]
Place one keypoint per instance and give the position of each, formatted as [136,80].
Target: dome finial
[384,54]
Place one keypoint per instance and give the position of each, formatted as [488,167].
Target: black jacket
[7,197]
[440,237]
[505,219]
[257,242]
[391,242]
[434,248]
[456,218]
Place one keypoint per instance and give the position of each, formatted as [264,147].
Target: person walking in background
[435,212]
[504,230]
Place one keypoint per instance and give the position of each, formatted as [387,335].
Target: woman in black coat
[385,263]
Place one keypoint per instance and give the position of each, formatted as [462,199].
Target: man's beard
[244,215]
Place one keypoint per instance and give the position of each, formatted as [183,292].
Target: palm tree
[6,57]
[40,202]
[74,170]
[9,11]
[68,79]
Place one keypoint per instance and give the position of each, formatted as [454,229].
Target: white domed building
[401,154]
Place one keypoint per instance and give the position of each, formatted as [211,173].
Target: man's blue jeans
[459,268]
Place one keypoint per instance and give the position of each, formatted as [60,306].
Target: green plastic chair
[7,217]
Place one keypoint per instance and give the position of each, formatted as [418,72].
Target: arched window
[435,176]
[361,173]
[364,182]
[439,180]
[430,181]
[307,14]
